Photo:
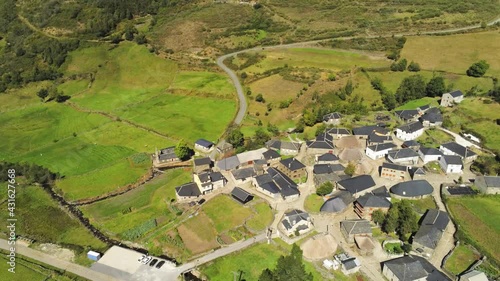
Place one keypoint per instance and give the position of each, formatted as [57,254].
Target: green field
[454,53]
[478,218]
[204,84]
[461,259]
[434,138]
[262,219]
[414,104]
[150,201]
[313,203]
[251,261]
[218,209]
[36,212]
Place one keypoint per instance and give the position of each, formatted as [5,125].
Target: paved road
[65,265]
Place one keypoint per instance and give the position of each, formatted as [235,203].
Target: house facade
[488,184]
[450,99]
[394,172]
[365,205]
[410,131]
[429,154]
[187,191]
[204,145]
[332,118]
[296,222]
[453,148]
[451,164]
[292,168]
[403,156]
[379,150]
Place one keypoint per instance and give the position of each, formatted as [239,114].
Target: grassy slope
[461,259]
[218,209]
[262,219]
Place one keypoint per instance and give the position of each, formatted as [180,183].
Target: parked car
[160,264]
[201,201]
[153,262]
[146,259]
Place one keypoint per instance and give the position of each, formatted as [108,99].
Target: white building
[378,151]
[410,131]
[403,156]
[449,99]
[451,164]
[296,222]
[429,154]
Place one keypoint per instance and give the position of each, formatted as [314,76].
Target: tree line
[33,173]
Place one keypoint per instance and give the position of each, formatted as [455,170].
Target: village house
[295,223]
[248,158]
[272,157]
[414,189]
[357,185]
[338,202]
[321,145]
[488,184]
[416,173]
[432,118]
[284,147]
[276,185]
[410,131]
[327,158]
[202,164]
[244,175]
[453,148]
[451,164]
[203,145]
[403,156]
[166,155]
[422,109]
[229,163]
[407,115]
[187,191]
[412,144]
[241,195]
[337,133]
[378,151]
[450,99]
[332,118]
[225,147]
[394,172]
[375,138]
[292,167]
[473,275]
[350,265]
[411,268]
[430,232]
[365,205]
[429,154]
[355,227]
[364,132]
[328,173]
[209,181]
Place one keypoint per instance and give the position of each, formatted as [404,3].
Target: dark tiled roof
[295,216]
[241,195]
[284,184]
[376,138]
[381,192]
[271,154]
[334,115]
[373,201]
[430,151]
[274,144]
[436,218]
[228,163]
[412,188]
[338,202]
[204,143]
[458,149]
[492,181]
[424,107]
[356,226]
[394,167]
[402,153]
[366,130]
[410,268]
[167,153]
[320,169]
[322,141]
[357,184]
[411,143]
[432,115]
[337,167]
[292,164]
[411,127]
[456,93]
[204,177]
[382,146]
[243,173]
[216,176]
[350,263]
[452,160]
[202,161]
[290,145]
[407,114]
[188,189]
[338,131]
[328,157]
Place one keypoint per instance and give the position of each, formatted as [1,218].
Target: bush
[414,67]
[478,69]
[399,66]
[324,189]
[260,98]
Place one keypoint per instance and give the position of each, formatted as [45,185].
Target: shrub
[414,67]
[478,69]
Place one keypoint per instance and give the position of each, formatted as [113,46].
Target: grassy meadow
[478,219]
[461,259]
[313,203]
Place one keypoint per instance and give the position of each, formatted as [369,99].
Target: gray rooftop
[241,194]
[338,131]
[410,268]
[271,154]
[187,190]
[456,93]
[328,157]
[430,151]
[338,202]
[356,226]
[411,127]
[204,143]
[406,114]
[452,159]
[458,149]
[228,163]
[334,115]
[167,153]
[394,166]
[373,201]
[243,173]
[412,188]
[382,146]
[322,141]
[202,161]
[402,153]
[357,184]
[292,164]
[366,130]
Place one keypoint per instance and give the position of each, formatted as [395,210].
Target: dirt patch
[57,251]
[184,36]
[193,242]
[319,247]
[226,239]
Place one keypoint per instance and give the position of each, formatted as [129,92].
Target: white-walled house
[451,164]
[378,151]
[449,99]
[409,131]
[453,148]
[429,154]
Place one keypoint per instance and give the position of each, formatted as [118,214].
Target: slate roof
[394,167]
[292,164]
[241,195]
[338,202]
[381,192]
[411,143]
[373,201]
[167,153]
[338,131]
[334,115]
[204,143]
[322,141]
[430,151]
[243,173]
[412,188]
[366,130]
[410,268]
[216,176]
[474,275]
[188,189]
[432,115]
[416,171]
[433,225]
[376,138]
[357,184]
[491,181]
[350,263]
[202,161]
[320,169]
[290,145]
[406,114]
[228,163]
[436,218]
[456,93]
[382,146]
[411,127]
[328,157]
[356,226]
[204,177]
[275,144]
[294,217]
[458,149]
[270,154]
[424,107]
[402,153]
[452,160]
[285,185]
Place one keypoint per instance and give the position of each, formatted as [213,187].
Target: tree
[435,87]
[288,268]
[140,39]
[378,217]
[413,67]
[299,128]
[478,69]
[406,247]
[348,88]
[43,93]
[350,169]
[324,189]
[260,137]
[399,66]
[260,98]
[321,129]
[182,150]
[411,88]
[236,138]
[267,275]
[391,221]
[130,31]
[273,129]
